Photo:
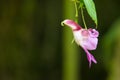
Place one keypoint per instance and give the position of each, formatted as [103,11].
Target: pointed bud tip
[62,23]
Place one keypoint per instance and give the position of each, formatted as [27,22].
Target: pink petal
[93,32]
[90,43]
[83,38]
[85,33]
[72,24]
[90,57]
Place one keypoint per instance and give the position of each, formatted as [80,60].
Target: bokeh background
[34,45]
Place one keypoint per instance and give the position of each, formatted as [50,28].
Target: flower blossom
[86,38]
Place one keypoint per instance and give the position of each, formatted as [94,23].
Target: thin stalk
[83,18]
[76,11]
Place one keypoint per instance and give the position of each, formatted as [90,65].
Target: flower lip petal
[86,40]
[72,24]
[90,43]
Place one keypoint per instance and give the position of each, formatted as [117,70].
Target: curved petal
[72,24]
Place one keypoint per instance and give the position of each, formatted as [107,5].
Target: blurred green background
[34,46]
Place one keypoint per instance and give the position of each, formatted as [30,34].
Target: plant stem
[76,11]
[70,51]
[83,18]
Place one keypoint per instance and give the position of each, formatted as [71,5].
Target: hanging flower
[86,38]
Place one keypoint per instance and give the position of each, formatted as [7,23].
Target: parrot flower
[86,38]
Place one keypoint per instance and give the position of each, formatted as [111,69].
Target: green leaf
[90,6]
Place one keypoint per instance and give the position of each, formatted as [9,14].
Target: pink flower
[86,38]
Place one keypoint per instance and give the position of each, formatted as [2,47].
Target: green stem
[76,11]
[83,18]
[70,52]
